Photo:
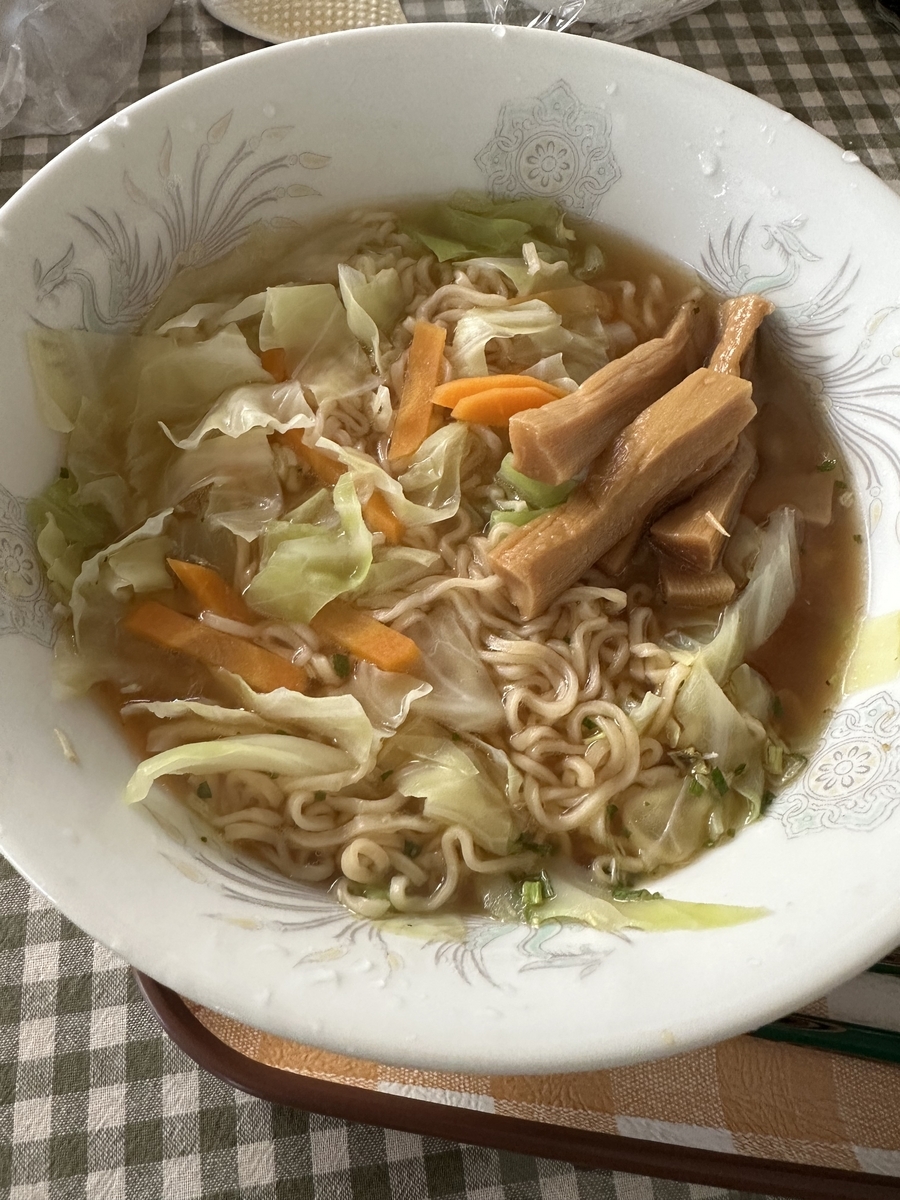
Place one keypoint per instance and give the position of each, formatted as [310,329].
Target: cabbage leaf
[313,763]
[463,695]
[280,406]
[373,305]
[310,324]
[305,565]
[457,792]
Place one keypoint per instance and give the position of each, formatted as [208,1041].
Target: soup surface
[302,561]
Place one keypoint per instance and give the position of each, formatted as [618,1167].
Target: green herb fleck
[64,472]
[567,640]
[341,664]
[524,842]
[204,791]
[412,849]
[318,795]
[857,537]
[740,769]
[840,485]
[283,732]
[386,774]
[455,737]
[767,799]
[622,893]
[203,839]
[588,726]
[720,783]
[696,788]
[777,707]
[626,833]
[827,464]
[532,893]
[612,809]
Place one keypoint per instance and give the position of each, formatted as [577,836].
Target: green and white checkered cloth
[95,1102]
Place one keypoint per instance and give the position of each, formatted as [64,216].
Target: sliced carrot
[211,593]
[496,405]
[323,466]
[163,626]
[423,367]
[449,394]
[359,633]
[377,513]
[275,362]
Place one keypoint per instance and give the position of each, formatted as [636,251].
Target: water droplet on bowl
[849,157]
[612,88]
[98,141]
[122,120]
[499,31]
[709,162]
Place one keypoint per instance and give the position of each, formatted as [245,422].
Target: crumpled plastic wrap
[64,63]
[612,20]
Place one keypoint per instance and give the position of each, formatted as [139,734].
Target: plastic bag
[64,63]
[613,20]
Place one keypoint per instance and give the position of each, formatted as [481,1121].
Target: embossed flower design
[551,146]
[16,567]
[549,163]
[845,768]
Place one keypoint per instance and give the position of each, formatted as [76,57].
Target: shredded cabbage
[280,406]
[305,565]
[463,694]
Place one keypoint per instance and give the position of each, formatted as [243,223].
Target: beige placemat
[743,1096]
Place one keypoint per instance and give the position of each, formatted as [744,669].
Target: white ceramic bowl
[697,169]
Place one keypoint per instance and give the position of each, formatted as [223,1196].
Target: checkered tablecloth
[95,1101]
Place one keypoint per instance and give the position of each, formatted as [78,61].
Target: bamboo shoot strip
[696,531]
[674,437]
[739,319]
[556,442]
[617,559]
[165,627]
[684,588]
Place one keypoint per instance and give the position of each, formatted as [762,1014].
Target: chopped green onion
[857,537]
[532,893]
[774,758]
[740,768]
[696,788]
[840,485]
[777,707]
[719,781]
[827,464]
[386,774]
[64,472]
[767,799]
[524,842]
[341,664]
[412,849]
[203,839]
[622,893]
[204,791]
[588,726]
[612,809]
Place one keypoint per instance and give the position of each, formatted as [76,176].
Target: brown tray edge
[517,1135]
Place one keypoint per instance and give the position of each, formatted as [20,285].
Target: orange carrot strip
[423,368]
[323,466]
[377,513]
[261,669]
[360,634]
[275,362]
[496,405]
[211,593]
[449,394]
